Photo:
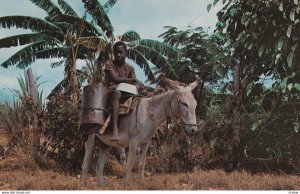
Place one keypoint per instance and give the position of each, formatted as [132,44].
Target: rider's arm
[138,83]
[118,79]
[109,70]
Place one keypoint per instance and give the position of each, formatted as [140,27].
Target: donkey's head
[183,105]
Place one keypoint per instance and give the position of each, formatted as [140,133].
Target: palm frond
[108,5]
[130,36]
[73,23]
[83,52]
[61,85]
[24,39]
[52,10]
[16,93]
[40,83]
[184,70]
[53,53]
[140,60]
[37,78]
[65,26]
[67,8]
[23,86]
[57,64]
[162,48]
[98,13]
[81,77]
[27,22]
[157,59]
[40,98]
[28,54]
[45,54]
[176,37]
[58,88]
[171,30]
[26,81]
[92,42]
[25,53]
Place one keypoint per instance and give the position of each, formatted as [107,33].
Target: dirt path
[24,178]
[17,172]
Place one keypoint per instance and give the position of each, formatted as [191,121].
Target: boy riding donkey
[116,72]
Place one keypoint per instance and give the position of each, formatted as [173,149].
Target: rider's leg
[115,103]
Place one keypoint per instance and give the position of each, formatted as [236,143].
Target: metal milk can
[94,99]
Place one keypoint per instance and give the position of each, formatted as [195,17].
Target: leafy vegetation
[61,139]
[20,120]
[262,38]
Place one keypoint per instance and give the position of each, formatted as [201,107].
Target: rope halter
[170,112]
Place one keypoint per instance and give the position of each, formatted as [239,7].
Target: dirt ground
[18,172]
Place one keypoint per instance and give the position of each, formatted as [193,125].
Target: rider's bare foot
[115,137]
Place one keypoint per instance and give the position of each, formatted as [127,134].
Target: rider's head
[120,50]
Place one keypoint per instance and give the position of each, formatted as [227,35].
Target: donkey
[137,129]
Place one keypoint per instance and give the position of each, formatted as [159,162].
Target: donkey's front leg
[122,153]
[89,148]
[103,153]
[131,158]
[142,160]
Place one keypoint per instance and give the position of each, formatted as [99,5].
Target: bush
[62,140]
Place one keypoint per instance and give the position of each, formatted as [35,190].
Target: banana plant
[64,34]
[24,89]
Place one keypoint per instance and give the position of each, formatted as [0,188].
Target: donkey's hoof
[101,183]
[84,183]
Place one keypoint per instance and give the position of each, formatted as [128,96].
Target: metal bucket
[94,99]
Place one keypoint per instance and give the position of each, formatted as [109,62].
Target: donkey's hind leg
[122,153]
[142,160]
[103,153]
[89,148]
[131,158]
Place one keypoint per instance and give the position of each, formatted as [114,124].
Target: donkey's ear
[168,82]
[193,85]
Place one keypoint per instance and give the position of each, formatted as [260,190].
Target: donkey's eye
[185,104]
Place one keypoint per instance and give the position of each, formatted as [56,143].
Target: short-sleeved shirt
[125,71]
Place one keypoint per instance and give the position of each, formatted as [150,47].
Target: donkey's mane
[157,97]
[170,91]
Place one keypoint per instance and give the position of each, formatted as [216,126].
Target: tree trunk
[33,136]
[237,102]
[33,91]
[297,62]
[71,76]
[73,84]
[199,98]
[297,67]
